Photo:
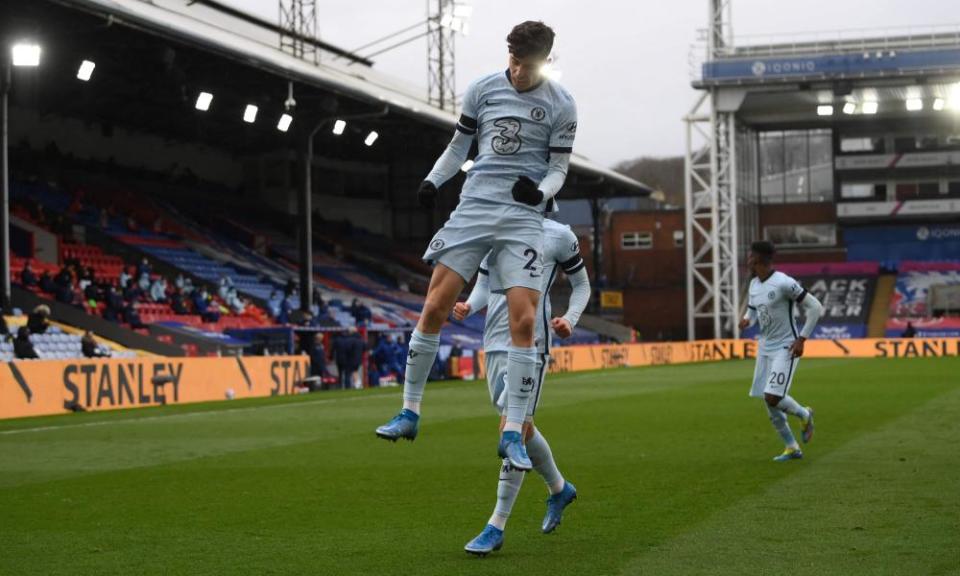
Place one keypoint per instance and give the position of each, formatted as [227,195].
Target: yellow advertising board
[578,358]
[611,299]
[34,388]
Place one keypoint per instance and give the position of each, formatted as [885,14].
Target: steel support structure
[710,194]
[441,61]
[298,22]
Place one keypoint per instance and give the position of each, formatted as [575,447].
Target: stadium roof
[174,19]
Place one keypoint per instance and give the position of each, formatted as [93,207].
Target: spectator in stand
[385,359]
[47,284]
[132,317]
[273,304]
[233,301]
[143,283]
[92,293]
[125,278]
[158,290]
[104,219]
[177,303]
[144,268]
[27,277]
[115,308]
[22,346]
[361,314]
[341,355]
[285,308]
[39,320]
[90,348]
[66,293]
[85,279]
[348,354]
[201,305]
[223,290]
[910,332]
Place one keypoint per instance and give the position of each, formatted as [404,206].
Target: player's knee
[434,313]
[772,400]
[522,323]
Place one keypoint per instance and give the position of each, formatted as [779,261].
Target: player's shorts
[774,374]
[512,234]
[497,382]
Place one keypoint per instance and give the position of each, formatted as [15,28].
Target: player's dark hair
[530,38]
[763,249]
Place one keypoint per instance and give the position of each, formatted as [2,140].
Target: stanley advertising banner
[34,388]
[577,358]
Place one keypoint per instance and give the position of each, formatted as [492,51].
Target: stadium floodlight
[869,107]
[825,110]
[914,104]
[339,126]
[26,54]
[849,108]
[250,114]
[203,101]
[938,104]
[456,18]
[284,124]
[467,166]
[86,70]
[371,138]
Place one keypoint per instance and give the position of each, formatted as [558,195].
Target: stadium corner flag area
[626,316]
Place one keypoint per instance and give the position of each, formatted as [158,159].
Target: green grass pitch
[672,464]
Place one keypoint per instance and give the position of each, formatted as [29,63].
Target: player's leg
[510,479]
[445,286]
[516,268]
[778,379]
[790,406]
[457,250]
[562,492]
[521,373]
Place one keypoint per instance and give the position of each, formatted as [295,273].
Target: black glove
[525,191]
[427,194]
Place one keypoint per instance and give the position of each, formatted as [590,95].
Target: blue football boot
[808,426]
[512,448]
[406,424]
[556,504]
[490,540]
[789,454]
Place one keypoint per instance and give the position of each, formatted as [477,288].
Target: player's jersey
[560,250]
[774,302]
[516,132]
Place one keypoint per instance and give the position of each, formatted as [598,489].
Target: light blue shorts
[512,234]
[497,381]
[774,374]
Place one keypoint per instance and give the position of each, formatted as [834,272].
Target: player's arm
[749,319]
[562,135]
[576,270]
[456,152]
[478,298]
[812,310]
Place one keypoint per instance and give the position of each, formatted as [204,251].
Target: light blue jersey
[516,133]
[561,251]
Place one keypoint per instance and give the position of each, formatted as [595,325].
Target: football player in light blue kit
[561,251]
[771,303]
[524,125]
